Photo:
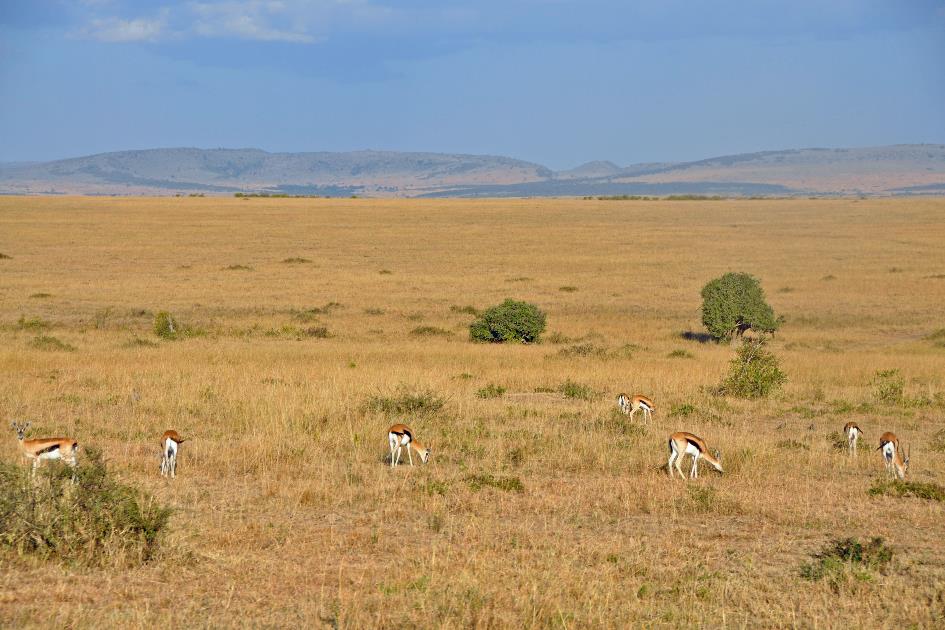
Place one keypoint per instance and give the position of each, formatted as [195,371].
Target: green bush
[406,402]
[570,389]
[510,321]
[165,326]
[921,490]
[507,484]
[491,391]
[753,373]
[96,520]
[734,303]
[843,559]
[890,386]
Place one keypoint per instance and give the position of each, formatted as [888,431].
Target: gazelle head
[904,468]
[718,458]
[425,455]
[20,429]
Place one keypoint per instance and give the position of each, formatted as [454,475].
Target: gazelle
[632,405]
[892,454]
[853,433]
[38,449]
[400,436]
[681,444]
[170,443]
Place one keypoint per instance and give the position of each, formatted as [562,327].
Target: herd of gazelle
[400,437]
[67,449]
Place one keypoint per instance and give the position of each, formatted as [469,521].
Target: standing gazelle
[632,405]
[170,443]
[853,433]
[38,449]
[892,454]
[400,436]
[681,444]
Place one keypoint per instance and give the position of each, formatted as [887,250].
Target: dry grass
[537,509]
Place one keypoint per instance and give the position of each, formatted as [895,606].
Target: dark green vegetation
[512,320]
[754,372]
[735,303]
[847,560]
[97,520]
[917,489]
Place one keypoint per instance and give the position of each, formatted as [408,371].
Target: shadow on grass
[701,337]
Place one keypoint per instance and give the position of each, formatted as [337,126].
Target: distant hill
[891,170]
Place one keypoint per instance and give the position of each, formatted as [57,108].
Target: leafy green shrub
[52,344]
[890,386]
[406,402]
[510,321]
[734,303]
[680,354]
[570,389]
[96,521]
[165,326]
[507,484]
[843,559]
[682,410]
[917,489]
[583,350]
[754,372]
[491,391]
[238,268]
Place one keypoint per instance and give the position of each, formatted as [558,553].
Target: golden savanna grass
[536,510]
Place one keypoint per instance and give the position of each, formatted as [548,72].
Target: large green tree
[734,303]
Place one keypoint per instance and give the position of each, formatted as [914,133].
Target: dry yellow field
[287,513]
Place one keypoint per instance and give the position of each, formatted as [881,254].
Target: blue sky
[559,82]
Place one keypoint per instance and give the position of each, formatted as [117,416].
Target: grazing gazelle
[400,436]
[892,454]
[682,444]
[170,442]
[632,405]
[39,449]
[853,433]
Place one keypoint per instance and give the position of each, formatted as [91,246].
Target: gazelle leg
[669,465]
[694,473]
[173,466]
[679,457]
[632,411]
[35,466]
[409,456]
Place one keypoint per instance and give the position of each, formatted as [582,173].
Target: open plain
[309,319]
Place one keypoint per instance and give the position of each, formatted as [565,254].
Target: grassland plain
[536,510]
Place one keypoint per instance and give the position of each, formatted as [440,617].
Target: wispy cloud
[254,20]
[118,30]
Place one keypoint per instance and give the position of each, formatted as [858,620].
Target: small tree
[510,321]
[734,303]
[754,372]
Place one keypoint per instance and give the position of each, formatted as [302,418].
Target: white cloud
[256,20]
[123,31]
